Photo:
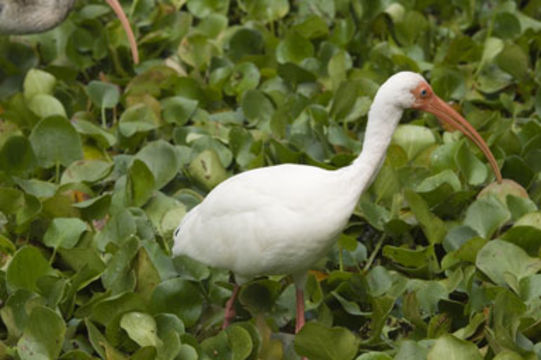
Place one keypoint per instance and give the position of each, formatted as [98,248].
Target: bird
[19,17]
[282,219]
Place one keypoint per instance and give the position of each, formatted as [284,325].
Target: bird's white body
[274,220]
[282,219]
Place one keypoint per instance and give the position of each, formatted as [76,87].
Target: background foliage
[99,161]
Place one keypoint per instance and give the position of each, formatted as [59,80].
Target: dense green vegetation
[99,161]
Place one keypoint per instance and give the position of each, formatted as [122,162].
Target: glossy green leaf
[44,106]
[486,215]
[266,10]
[17,155]
[43,336]
[103,95]
[55,141]
[179,297]
[450,347]
[137,119]
[413,139]
[26,267]
[294,48]
[317,341]
[178,110]
[141,328]
[505,263]
[86,171]
[161,159]
[38,82]
[207,170]
[64,232]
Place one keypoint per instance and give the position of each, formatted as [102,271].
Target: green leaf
[505,263]
[43,336]
[103,95]
[413,139]
[139,118]
[64,232]
[217,346]
[140,182]
[178,110]
[471,167]
[103,137]
[89,171]
[179,297]
[421,257]
[38,82]
[141,328]
[294,48]
[374,356]
[452,348]
[312,27]
[161,159]
[100,343]
[506,25]
[119,276]
[266,10]
[319,342]
[486,215]
[513,60]
[508,355]
[245,42]
[203,8]
[433,227]
[245,76]
[240,342]
[17,156]
[44,106]
[256,106]
[207,170]
[54,140]
[26,267]
[94,208]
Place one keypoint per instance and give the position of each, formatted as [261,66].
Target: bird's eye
[424,93]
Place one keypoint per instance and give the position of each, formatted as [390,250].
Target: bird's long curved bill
[448,115]
[117,8]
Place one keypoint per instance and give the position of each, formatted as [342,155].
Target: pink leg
[300,310]
[230,308]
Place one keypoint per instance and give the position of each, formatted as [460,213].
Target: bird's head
[410,90]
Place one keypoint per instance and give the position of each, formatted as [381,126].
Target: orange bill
[117,8]
[449,116]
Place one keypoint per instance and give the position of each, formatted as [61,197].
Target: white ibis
[281,219]
[34,16]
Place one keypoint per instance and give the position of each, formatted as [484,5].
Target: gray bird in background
[35,16]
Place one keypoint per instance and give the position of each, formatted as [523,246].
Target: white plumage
[281,219]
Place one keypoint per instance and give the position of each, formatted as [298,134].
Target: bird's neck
[383,118]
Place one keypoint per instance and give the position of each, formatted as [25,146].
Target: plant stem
[103,120]
[340,258]
[57,172]
[374,253]
[52,256]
